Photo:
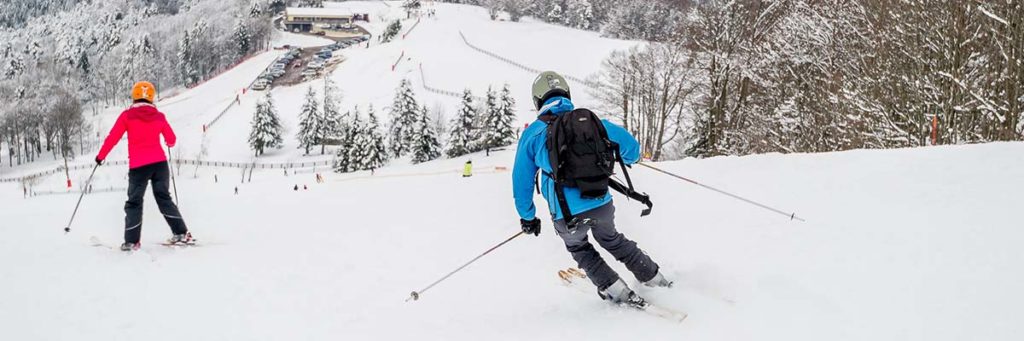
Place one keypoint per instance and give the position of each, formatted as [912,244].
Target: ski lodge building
[303,19]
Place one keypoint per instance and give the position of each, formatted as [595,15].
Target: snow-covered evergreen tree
[578,14]
[242,37]
[353,144]
[504,127]
[556,14]
[426,146]
[266,127]
[463,133]
[342,158]
[311,120]
[376,153]
[257,8]
[405,114]
[332,120]
[497,127]
[187,68]
[392,31]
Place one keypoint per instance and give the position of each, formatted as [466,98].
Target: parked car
[261,84]
[277,73]
[310,74]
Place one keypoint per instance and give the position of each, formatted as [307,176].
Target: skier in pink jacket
[147,163]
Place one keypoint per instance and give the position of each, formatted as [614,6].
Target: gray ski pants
[601,222]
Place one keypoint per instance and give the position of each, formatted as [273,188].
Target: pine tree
[555,16]
[187,69]
[342,158]
[332,121]
[354,145]
[579,14]
[376,155]
[256,9]
[489,122]
[496,124]
[392,31]
[310,122]
[404,117]
[464,133]
[242,38]
[266,127]
[426,147]
[504,128]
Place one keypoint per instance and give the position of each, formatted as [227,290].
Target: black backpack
[582,156]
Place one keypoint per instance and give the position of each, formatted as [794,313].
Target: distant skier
[467,170]
[147,163]
[596,212]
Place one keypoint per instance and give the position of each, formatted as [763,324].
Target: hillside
[903,244]
[898,246]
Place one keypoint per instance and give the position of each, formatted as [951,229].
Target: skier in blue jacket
[551,96]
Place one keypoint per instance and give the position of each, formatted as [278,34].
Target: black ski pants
[601,223]
[138,178]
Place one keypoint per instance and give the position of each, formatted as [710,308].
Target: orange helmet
[144,90]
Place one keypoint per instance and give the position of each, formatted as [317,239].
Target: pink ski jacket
[144,125]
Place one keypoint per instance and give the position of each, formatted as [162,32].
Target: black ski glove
[530,226]
[99,161]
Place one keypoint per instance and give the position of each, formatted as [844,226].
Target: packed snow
[910,244]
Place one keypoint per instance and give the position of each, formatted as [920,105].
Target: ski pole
[173,183]
[416,294]
[792,216]
[88,182]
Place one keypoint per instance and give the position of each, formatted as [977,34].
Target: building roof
[317,12]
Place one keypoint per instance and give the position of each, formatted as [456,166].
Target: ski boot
[659,281]
[126,246]
[181,239]
[620,293]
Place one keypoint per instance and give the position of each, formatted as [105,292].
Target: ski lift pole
[67,229]
[415,295]
[791,215]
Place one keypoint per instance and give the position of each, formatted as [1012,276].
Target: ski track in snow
[914,244]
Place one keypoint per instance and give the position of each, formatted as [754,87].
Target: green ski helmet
[549,84]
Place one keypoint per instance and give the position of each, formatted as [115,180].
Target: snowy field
[920,244]
[899,245]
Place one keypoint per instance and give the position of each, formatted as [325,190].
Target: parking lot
[305,64]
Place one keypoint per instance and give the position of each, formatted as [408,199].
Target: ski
[570,277]
[180,245]
[96,242]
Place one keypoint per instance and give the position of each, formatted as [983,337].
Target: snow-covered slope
[899,245]
[436,46]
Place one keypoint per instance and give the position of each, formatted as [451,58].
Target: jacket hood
[557,106]
[144,112]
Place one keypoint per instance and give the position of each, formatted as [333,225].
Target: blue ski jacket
[532,155]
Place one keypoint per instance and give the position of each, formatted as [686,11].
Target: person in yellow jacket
[467,170]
